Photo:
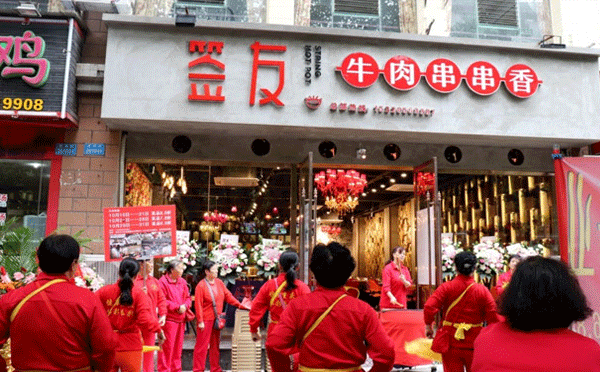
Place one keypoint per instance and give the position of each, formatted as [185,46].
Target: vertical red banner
[578,195]
[139,231]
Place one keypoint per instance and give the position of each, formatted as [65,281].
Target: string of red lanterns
[341,188]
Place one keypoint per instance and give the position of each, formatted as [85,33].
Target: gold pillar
[522,207]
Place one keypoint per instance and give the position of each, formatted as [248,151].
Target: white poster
[229,239]
[425,247]
[183,235]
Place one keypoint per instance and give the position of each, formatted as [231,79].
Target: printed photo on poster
[139,231]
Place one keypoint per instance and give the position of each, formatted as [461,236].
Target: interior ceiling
[277,192]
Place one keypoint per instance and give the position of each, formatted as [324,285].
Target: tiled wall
[88,184]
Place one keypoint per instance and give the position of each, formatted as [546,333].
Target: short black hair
[465,262]
[206,265]
[56,253]
[332,264]
[543,293]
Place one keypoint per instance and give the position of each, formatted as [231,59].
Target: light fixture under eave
[29,9]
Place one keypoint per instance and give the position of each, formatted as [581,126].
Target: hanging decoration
[331,229]
[425,182]
[341,188]
[215,217]
[169,183]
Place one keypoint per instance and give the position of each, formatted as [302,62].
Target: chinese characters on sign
[206,49]
[139,231]
[22,56]
[360,70]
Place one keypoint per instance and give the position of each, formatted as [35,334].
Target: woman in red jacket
[275,294]
[465,306]
[210,293]
[396,281]
[129,312]
[504,278]
[541,302]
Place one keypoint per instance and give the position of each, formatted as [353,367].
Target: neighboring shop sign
[139,231]
[37,68]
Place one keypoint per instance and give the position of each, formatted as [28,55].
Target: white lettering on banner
[443,74]
[360,71]
[521,81]
[483,77]
[402,71]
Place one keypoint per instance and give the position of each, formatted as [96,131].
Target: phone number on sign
[27,104]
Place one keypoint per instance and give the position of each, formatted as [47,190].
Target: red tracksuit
[342,340]
[127,321]
[74,335]
[503,281]
[262,303]
[391,283]
[206,314]
[176,294]
[500,348]
[157,302]
[475,307]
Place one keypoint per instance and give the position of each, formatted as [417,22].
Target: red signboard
[578,193]
[360,70]
[139,231]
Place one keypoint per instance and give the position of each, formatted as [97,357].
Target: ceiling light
[392,180]
[373,190]
[364,194]
[29,9]
[361,153]
[382,185]
[403,175]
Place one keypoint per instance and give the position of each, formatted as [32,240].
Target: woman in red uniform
[275,294]
[177,295]
[205,316]
[396,281]
[542,300]
[333,331]
[129,311]
[504,278]
[465,306]
[149,285]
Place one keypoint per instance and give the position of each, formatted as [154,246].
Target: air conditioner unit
[236,177]
[103,6]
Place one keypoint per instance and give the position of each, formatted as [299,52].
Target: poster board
[426,246]
[229,239]
[139,231]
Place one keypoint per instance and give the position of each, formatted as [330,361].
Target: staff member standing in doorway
[396,281]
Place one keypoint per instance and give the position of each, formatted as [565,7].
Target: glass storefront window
[24,193]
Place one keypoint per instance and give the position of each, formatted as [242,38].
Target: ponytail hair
[289,262]
[128,269]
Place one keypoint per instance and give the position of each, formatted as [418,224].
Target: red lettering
[280,65]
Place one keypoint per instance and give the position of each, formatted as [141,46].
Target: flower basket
[449,251]
[231,259]
[87,277]
[490,261]
[266,255]
[190,254]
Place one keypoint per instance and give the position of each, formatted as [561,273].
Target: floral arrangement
[449,250]
[190,253]
[88,278]
[266,255]
[523,250]
[231,258]
[490,259]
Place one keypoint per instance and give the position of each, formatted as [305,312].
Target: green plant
[18,247]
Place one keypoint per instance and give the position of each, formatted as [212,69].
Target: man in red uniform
[149,284]
[61,327]
[342,338]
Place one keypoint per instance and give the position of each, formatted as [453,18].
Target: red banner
[578,195]
[139,231]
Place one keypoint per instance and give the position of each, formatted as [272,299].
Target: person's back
[502,349]
[62,327]
[541,301]
[332,330]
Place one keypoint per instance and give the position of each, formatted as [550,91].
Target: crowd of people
[56,326]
